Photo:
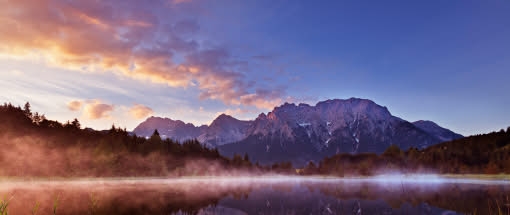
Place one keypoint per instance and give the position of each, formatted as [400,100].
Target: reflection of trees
[266,198]
[127,199]
[463,198]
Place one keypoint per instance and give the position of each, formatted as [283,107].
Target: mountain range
[302,133]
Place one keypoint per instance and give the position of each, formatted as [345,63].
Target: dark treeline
[31,145]
[479,154]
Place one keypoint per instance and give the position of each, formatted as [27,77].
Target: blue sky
[446,61]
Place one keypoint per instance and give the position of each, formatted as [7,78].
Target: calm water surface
[275,195]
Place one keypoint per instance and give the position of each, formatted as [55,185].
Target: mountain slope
[302,132]
[439,132]
[224,129]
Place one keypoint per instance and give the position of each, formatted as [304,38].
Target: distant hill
[478,154]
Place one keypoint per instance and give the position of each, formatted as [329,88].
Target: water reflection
[241,196]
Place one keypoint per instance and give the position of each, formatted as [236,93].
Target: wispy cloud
[129,38]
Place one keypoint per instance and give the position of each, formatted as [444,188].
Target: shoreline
[410,178]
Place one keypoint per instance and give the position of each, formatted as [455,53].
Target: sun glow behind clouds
[139,41]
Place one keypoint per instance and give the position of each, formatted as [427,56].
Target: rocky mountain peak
[304,131]
[175,129]
[356,105]
[159,121]
[224,129]
[223,119]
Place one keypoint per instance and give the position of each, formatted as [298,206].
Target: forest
[478,154]
[32,145]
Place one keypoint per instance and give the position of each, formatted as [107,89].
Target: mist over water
[259,195]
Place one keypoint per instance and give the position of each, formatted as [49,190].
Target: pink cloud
[260,102]
[140,111]
[74,105]
[95,109]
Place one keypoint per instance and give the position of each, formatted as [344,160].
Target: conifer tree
[76,123]
[27,111]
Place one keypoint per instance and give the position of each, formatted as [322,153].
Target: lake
[260,195]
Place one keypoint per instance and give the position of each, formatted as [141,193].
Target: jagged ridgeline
[300,133]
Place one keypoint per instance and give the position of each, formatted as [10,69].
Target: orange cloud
[260,102]
[137,23]
[140,111]
[128,39]
[92,20]
[74,105]
[95,109]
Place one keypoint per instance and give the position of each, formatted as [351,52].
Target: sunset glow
[254,107]
[193,60]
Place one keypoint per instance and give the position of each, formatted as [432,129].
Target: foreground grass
[5,203]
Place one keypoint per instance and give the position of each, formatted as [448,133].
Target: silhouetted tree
[36,118]
[27,110]
[76,123]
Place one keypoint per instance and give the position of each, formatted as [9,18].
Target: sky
[121,61]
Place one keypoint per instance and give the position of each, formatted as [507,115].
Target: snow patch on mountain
[305,124]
